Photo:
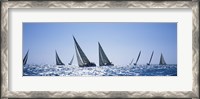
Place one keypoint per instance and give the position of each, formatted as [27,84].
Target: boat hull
[107,65]
[88,65]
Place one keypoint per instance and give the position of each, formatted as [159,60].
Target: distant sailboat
[103,59]
[70,63]
[162,60]
[137,58]
[81,57]
[58,61]
[25,58]
[150,58]
[131,61]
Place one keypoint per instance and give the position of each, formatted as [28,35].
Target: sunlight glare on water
[71,70]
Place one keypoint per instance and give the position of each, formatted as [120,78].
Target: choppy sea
[72,70]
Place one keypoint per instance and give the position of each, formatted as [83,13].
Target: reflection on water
[70,70]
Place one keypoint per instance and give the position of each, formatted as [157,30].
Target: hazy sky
[121,41]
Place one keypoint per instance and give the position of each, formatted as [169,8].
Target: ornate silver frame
[194,5]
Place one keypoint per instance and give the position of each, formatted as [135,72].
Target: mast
[81,57]
[58,61]
[137,58]
[103,59]
[25,58]
[71,61]
[150,58]
[162,60]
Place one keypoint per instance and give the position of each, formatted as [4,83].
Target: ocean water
[128,70]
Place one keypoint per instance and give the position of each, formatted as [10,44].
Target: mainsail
[150,58]
[81,57]
[137,58]
[162,60]
[103,59]
[71,61]
[25,58]
[58,61]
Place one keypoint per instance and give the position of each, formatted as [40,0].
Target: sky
[121,41]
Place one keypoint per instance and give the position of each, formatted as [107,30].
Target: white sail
[162,60]
[58,61]
[81,57]
[150,58]
[137,58]
[25,58]
[131,61]
[103,59]
[70,63]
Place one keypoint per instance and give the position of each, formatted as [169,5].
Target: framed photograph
[104,49]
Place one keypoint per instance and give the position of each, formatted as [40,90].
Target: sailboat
[103,59]
[131,61]
[137,58]
[150,58]
[81,57]
[70,63]
[25,58]
[162,60]
[58,61]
